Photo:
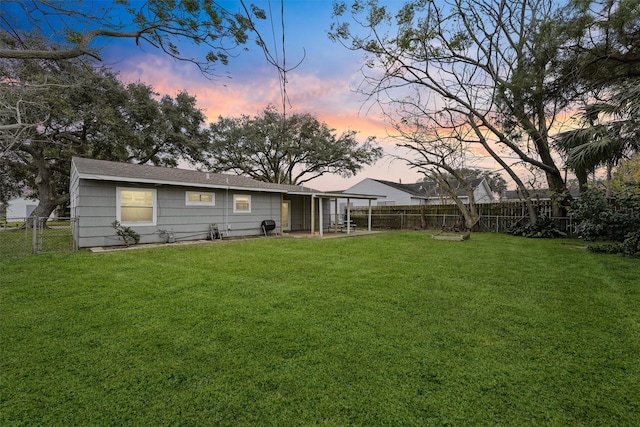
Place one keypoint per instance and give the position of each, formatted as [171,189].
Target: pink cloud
[332,101]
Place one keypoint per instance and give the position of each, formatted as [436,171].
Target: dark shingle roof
[407,188]
[429,188]
[128,172]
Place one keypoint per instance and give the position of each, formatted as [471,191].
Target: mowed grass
[392,329]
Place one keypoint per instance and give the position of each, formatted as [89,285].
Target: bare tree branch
[163,24]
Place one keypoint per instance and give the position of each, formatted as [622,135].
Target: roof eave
[345,196]
[96,177]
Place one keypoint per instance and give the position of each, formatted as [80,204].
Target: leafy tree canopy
[163,24]
[471,74]
[627,175]
[289,150]
[493,76]
[601,45]
[67,108]
[599,67]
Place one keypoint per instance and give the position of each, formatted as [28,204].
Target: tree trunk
[560,196]
[470,212]
[531,209]
[471,217]
[609,176]
[47,197]
[583,179]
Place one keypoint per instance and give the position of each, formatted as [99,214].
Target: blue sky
[323,84]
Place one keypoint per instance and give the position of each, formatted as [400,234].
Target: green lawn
[391,329]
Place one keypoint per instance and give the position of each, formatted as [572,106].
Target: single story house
[390,193]
[165,204]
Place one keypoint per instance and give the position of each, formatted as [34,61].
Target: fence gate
[53,235]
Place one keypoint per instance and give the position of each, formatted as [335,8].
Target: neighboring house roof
[431,189]
[412,189]
[104,170]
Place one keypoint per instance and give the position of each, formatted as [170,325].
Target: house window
[136,206]
[196,198]
[241,203]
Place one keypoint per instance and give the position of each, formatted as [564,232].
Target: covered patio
[336,225]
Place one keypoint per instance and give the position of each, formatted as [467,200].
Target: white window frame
[154,206]
[235,203]
[200,203]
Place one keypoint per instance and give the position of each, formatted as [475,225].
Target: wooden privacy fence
[494,217]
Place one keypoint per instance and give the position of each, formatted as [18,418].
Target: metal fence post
[34,239]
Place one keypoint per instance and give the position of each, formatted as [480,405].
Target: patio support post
[313,215]
[335,217]
[369,219]
[348,216]
[34,238]
[320,216]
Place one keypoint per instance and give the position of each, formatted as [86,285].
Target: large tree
[439,154]
[70,108]
[609,134]
[600,48]
[480,68]
[168,25]
[600,66]
[288,150]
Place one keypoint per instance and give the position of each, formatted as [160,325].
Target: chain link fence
[29,236]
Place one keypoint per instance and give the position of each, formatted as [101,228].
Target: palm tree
[610,134]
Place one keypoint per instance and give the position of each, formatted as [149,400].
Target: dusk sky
[323,84]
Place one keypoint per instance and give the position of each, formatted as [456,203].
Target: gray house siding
[74,187]
[263,206]
[95,208]
[99,196]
